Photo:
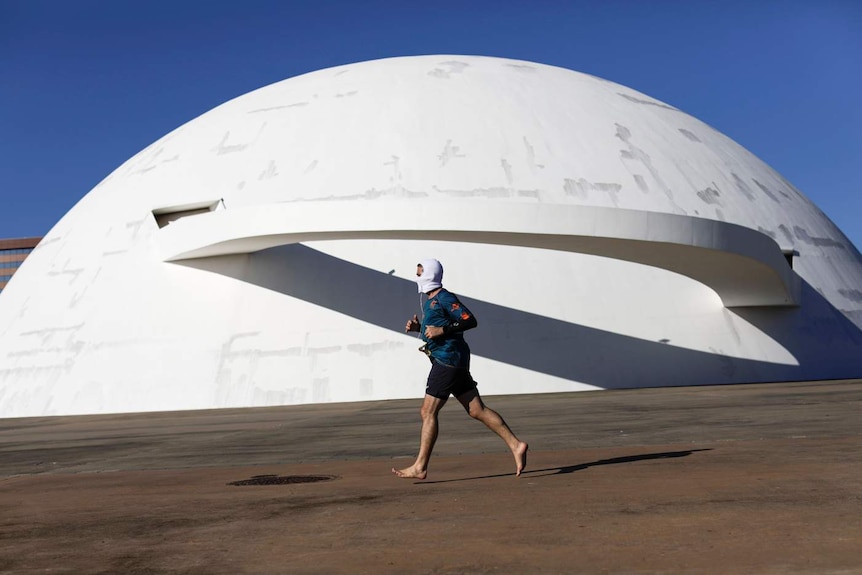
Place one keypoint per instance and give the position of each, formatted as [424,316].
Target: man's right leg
[476,408]
[431,406]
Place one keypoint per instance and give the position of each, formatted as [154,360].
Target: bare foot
[411,473]
[520,454]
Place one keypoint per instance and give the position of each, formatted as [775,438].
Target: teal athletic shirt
[442,310]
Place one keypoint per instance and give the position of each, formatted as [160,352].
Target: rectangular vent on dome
[789,255]
[166,215]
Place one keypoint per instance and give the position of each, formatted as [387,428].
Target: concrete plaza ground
[728,479]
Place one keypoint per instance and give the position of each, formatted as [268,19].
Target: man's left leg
[431,406]
[472,402]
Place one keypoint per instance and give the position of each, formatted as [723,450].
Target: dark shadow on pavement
[579,466]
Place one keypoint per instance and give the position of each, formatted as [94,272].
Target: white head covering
[432,275]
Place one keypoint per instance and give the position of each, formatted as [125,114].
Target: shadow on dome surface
[559,348]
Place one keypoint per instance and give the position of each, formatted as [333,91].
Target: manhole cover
[283,479]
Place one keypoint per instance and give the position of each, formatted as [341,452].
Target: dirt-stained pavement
[729,479]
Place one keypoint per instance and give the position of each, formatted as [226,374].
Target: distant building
[13,252]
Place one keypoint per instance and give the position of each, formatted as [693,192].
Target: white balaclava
[432,276]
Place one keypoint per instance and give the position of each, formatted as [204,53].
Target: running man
[444,321]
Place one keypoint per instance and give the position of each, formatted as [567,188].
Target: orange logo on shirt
[465,316]
[455,306]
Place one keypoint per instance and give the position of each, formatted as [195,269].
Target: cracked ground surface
[727,479]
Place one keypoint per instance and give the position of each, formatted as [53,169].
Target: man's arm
[460,325]
[460,319]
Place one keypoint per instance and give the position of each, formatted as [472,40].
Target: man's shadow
[578,467]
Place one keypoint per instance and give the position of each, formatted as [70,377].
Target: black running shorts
[444,380]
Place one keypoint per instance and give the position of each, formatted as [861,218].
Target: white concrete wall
[95,321]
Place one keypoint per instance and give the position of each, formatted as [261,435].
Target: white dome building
[264,253]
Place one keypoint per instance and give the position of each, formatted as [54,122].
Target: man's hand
[412,324]
[432,331]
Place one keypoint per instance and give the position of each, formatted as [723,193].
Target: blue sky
[86,84]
